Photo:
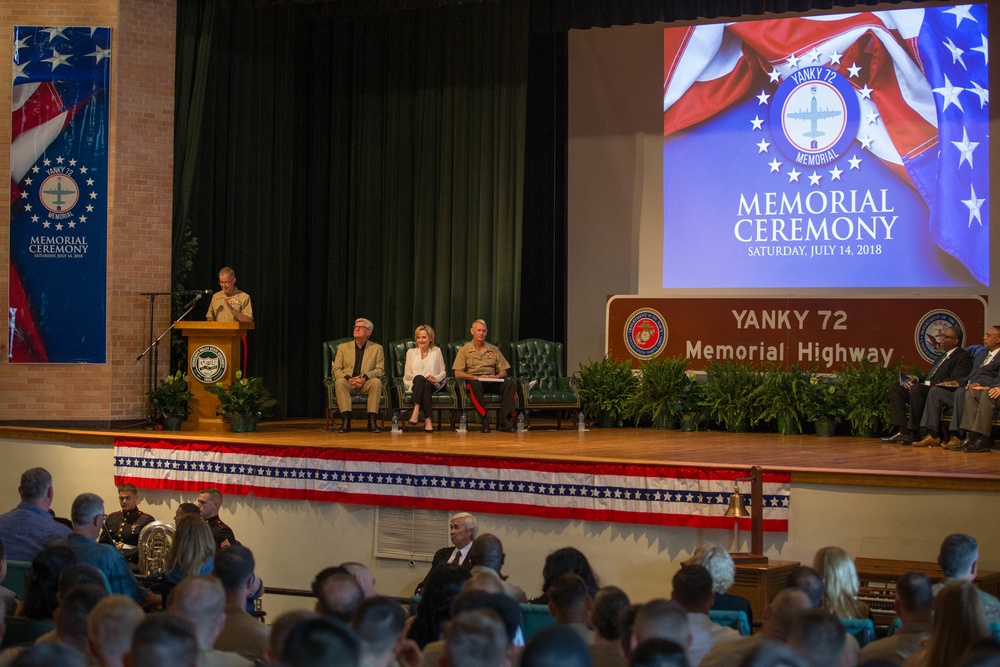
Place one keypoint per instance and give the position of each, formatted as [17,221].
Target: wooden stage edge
[810,459]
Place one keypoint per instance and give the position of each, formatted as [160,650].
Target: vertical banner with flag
[59,195]
[847,150]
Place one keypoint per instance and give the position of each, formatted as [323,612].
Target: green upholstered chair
[534,617]
[445,398]
[541,361]
[17,579]
[735,619]
[465,401]
[358,401]
[863,629]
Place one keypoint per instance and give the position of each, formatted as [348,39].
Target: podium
[214,355]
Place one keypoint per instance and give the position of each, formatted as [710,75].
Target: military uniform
[487,361]
[124,529]
[221,533]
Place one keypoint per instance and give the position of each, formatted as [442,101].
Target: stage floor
[810,459]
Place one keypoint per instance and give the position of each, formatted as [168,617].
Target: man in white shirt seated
[693,592]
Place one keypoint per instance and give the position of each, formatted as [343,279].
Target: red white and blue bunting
[640,494]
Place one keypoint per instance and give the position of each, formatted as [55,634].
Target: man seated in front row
[959,561]
[484,369]
[357,369]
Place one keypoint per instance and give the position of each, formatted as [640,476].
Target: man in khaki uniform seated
[483,368]
[357,369]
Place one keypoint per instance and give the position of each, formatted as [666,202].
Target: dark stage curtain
[371,166]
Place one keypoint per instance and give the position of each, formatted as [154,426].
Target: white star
[34,218]
[27,181]
[984,49]
[55,32]
[93,195]
[27,207]
[762,98]
[853,71]
[774,75]
[90,208]
[59,226]
[72,162]
[793,175]
[19,71]
[982,93]
[956,53]
[57,59]
[757,122]
[99,54]
[872,117]
[83,218]
[34,169]
[90,181]
[974,206]
[961,12]
[46,224]
[24,195]
[83,170]
[20,44]
[71,224]
[814,55]
[866,92]
[835,57]
[965,147]
[814,178]
[46,162]
[835,174]
[59,160]
[775,166]
[855,162]
[762,146]
[866,142]
[950,94]
[792,61]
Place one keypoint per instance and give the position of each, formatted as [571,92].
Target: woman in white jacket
[424,374]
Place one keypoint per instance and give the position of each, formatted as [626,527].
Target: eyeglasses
[951,337]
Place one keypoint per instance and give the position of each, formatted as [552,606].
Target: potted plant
[731,394]
[243,402]
[659,391]
[866,392]
[606,386]
[782,393]
[170,399]
[825,405]
[691,403]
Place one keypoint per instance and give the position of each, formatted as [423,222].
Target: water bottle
[395,421]
[581,423]
[463,423]
[520,422]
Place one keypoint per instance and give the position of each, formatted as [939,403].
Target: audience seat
[541,361]
[737,620]
[535,617]
[444,399]
[17,578]
[863,629]
[358,401]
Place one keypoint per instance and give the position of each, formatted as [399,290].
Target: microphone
[203,292]
[197,297]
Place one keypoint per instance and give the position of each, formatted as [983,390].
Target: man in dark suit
[462,529]
[954,362]
[985,368]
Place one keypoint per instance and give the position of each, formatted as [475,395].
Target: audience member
[337,594]
[959,561]
[364,577]
[50,654]
[661,619]
[192,551]
[778,617]
[7,596]
[818,636]
[71,615]
[123,527]
[693,592]
[556,646]
[482,581]
[608,605]
[958,623]
[71,577]
[280,629]
[462,529]
[720,565]
[162,640]
[809,582]
[42,593]
[321,642]
[201,601]
[28,528]
[434,608]
[185,508]
[378,623]
[561,561]
[88,517]
[626,626]
[775,654]
[210,502]
[486,555]
[659,653]
[914,605]
[569,605]
[502,605]
[840,583]
[110,627]
[241,632]
[477,639]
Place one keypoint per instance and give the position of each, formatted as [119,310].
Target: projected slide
[837,151]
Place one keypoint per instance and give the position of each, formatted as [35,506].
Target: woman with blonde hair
[958,624]
[192,551]
[720,565]
[840,583]
[424,374]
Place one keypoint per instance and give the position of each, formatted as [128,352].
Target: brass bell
[737,508]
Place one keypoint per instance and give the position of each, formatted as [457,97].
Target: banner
[59,195]
[639,494]
[848,150]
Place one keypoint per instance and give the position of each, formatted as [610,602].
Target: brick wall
[139,215]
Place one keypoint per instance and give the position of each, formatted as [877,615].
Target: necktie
[457,558]
[933,370]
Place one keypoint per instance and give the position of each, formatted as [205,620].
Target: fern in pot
[243,402]
[170,400]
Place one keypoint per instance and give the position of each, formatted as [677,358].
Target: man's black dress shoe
[373,426]
[346,426]
[980,443]
[486,426]
[899,438]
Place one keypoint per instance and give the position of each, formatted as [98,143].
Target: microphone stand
[154,345]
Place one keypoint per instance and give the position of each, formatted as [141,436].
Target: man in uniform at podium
[229,304]
[124,527]
[210,501]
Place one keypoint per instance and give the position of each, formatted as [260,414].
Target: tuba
[154,543]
